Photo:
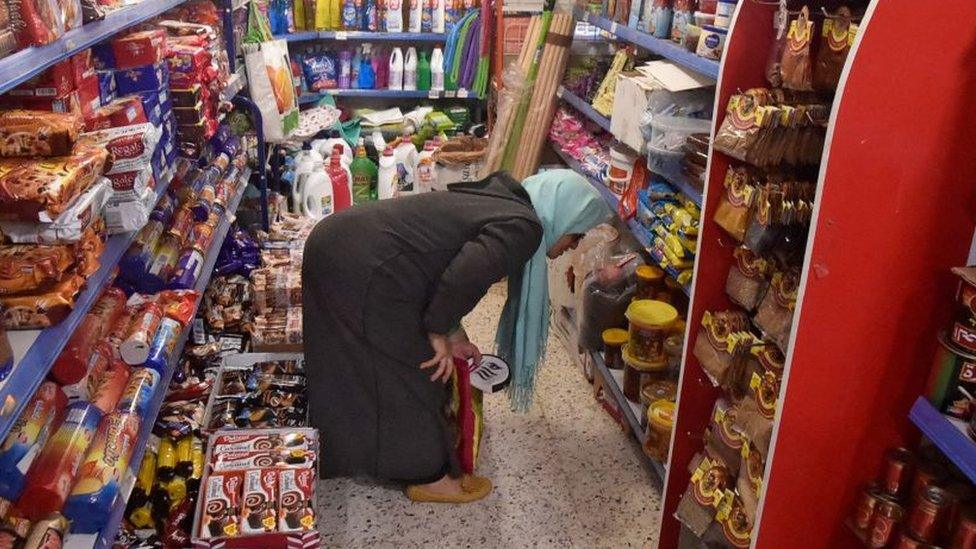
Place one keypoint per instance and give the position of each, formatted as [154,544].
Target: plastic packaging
[386,182]
[724,9]
[72,363]
[427,15]
[364,174]
[307,163]
[320,71]
[139,390]
[660,423]
[437,15]
[349,15]
[426,169]
[52,474]
[796,66]
[416,15]
[394,16]
[28,436]
[437,70]
[341,180]
[396,69]
[134,349]
[367,76]
[345,70]
[746,282]
[410,69]
[317,200]
[613,341]
[423,72]
[107,380]
[711,43]
[163,345]
[657,15]
[650,322]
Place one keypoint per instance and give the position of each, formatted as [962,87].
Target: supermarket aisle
[565,476]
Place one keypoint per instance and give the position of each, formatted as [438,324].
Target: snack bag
[796,66]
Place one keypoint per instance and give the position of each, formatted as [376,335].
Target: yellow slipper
[475,488]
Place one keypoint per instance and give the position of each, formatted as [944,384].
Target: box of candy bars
[258,391]
[258,489]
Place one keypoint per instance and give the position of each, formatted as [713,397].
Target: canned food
[887,514]
[962,494]
[906,541]
[896,478]
[864,510]
[927,519]
[953,376]
[964,535]
[928,474]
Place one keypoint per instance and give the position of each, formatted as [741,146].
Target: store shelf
[307,98]
[583,107]
[35,350]
[664,48]
[682,185]
[106,538]
[362,36]
[949,434]
[630,410]
[27,63]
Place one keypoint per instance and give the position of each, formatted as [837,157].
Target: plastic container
[724,10]
[702,18]
[28,436]
[396,69]
[711,43]
[423,72]
[664,163]
[437,70]
[426,169]
[650,323]
[394,16]
[669,133]
[637,374]
[386,186]
[660,423]
[658,390]
[650,282]
[621,163]
[613,342]
[410,69]
[416,15]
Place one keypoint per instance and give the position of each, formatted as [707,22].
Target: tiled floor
[565,476]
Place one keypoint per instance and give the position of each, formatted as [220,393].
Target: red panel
[743,69]
[896,211]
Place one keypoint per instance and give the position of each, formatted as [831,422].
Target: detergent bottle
[396,69]
[317,200]
[367,76]
[357,61]
[423,71]
[341,180]
[427,16]
[394,16]
[349,14]
[307,162]
[410,69]
[363,175]
[416,15]
[386,182]
[437,70]
[325,147]
[426,168]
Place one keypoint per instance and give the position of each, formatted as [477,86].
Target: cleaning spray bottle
[386,181]
[410,69]
[426,168]
[394,16]
[363,175]
[396,69]
[341,181]
[437,70]
[345,69]
[423,72]
[437,12]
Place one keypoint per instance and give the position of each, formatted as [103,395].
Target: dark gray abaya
[376,279]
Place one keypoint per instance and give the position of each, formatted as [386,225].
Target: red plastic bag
[627,207]
[467,415]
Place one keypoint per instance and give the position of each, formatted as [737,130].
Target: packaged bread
[30,268]
[38,133]
[31,311]
[130,147]
[40,189]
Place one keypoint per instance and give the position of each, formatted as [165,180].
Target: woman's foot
[451,490]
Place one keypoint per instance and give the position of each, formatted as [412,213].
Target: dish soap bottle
[423,72]
[341,180]
[363,175]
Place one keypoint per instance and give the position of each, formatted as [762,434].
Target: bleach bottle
[410,69]
[416,15]
[387,184]
[394,16]
[307,162]
[396,69]
[437,70]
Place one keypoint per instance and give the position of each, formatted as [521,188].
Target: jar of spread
[613,340]
[658,390]
[650,282]
[650,323]
[638,373]
[660,422]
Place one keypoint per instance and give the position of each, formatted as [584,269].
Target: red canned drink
[866,502]
[906,541]
[928,518]
[896,478]
[962,494]
[887,514]
[928,473]
[964,536]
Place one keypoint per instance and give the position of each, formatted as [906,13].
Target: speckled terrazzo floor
[565,476]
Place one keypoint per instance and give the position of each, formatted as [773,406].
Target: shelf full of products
[310,98]
[364,36]
[949,434]
[583,107]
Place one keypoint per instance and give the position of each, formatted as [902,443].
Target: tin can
[906,541]
[928,517]
[887,514]
[864,510]
[962,494]
[181,224]
[953,375]
[928,474]
[899,467]
[964,535]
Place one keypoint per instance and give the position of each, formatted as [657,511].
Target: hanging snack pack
[837,37]
[734,210]
[796,66]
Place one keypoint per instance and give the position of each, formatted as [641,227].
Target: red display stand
[894,212]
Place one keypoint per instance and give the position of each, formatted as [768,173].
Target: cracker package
[38,133]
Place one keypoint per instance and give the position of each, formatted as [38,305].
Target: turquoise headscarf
[566,204]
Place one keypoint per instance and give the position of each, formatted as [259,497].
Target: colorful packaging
[321,72]
[257,442]
[141,79]
[134,350]
[90,503]
[188,269]
[239,461]
[124,111]
[41,189]
[139,391]
[221,506]
[38,133]
[53,472]
[296,500]
[259,501]
[27,436]
[105,387]
[138,49]
[163,345]
[129,147]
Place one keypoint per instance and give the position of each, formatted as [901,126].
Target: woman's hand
[463,348]
[443,358]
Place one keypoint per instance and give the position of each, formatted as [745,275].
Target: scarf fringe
[521,388]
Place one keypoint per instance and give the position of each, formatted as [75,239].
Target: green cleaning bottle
[423,72]
[364,173]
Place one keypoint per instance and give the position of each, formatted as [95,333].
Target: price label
[613,28]
[432,94]
[462,93]
[449,93]
[342,35]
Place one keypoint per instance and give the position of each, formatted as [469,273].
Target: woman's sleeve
[502,247]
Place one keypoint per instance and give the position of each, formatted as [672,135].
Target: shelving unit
[363,36]
[308,98]
[36,350]
[106,538]
[583,107]
[948,434]
[664,48]
[28,63]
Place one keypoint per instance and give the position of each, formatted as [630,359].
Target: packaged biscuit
[287,459]
[259,501]
[221,506]
[69,226]
[296,500]
[129,147]
[226,442]
[25,312]
[40,189]
[30,268]
[27,436]
[38,133]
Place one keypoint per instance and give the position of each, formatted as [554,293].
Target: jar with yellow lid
[661,389]
[650,282]
[613,341]
[660,423]
[650,323]
[638,373]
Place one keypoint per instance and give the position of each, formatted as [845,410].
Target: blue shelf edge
[946,435]
[27,63]
[106,538]
[682,185]
[363,36]
[659,46]
[583,107]
[626,408]
[28,374]
[308,98]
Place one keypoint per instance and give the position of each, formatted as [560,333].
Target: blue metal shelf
[664,48]
[106,538]
[27,63]
[682,185]
[583,107]
[363,36]
[307,98]
[30,369]
[948,434]
[630,410]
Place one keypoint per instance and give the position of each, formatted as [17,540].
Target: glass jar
[613,341]
[650,323]
[660,423]
[650,282]
[658,390]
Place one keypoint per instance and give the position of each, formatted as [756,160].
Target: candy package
[320,72]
